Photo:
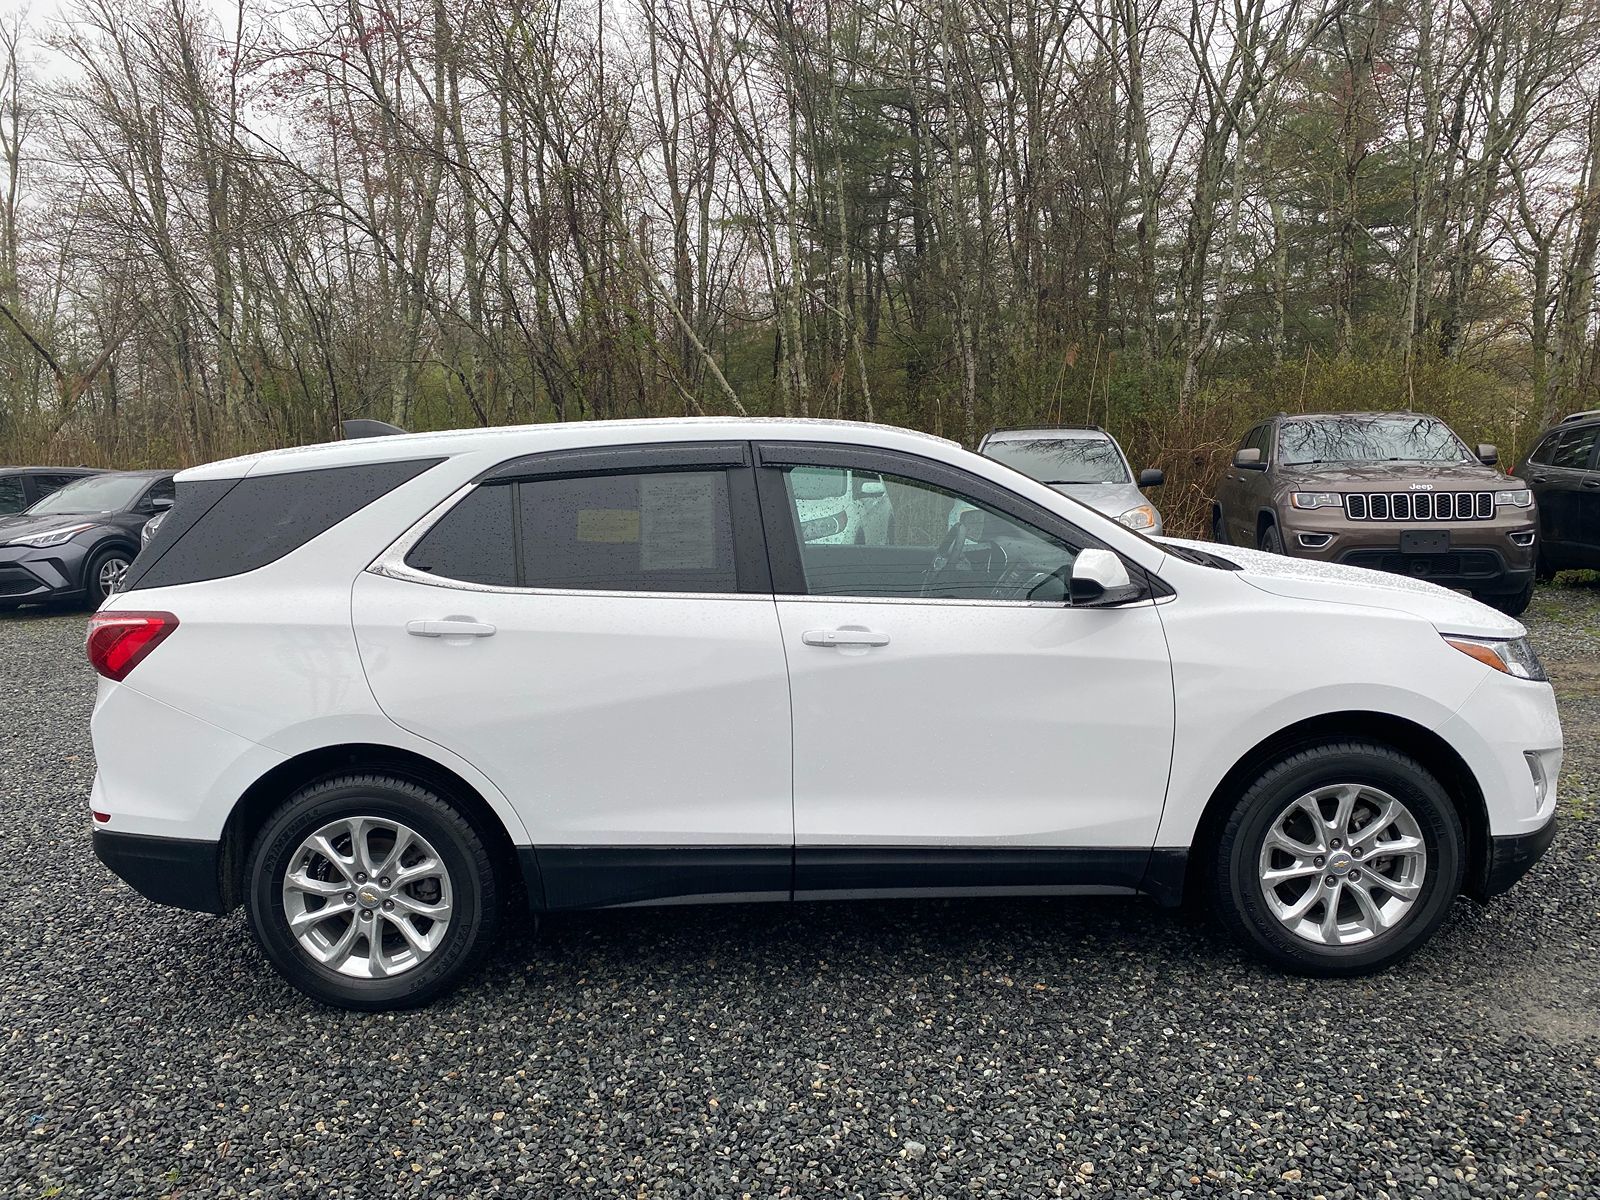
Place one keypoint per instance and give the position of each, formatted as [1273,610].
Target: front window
[1062,460]
[905,539]
[94,494]
[1369,439]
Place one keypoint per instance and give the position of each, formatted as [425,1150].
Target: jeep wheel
[1513,604]
[1271,539]
[1219,530]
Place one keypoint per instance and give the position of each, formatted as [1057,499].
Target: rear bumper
[1511,857]
[174,871]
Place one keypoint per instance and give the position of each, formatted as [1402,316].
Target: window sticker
[608,525]
[679,531]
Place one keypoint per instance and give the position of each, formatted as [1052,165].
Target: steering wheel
[951,557]
[947,558]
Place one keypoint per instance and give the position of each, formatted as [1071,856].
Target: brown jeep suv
[1392,491]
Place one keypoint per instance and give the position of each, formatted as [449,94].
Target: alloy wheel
[1343,864]
[112,572]
[368,897]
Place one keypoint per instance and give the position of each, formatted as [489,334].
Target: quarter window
[899,538]
[473,542]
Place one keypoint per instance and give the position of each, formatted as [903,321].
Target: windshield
[97,493]
[1369,439]
[1062,459]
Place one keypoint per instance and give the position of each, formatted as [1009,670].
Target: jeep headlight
[1521,498]
[1316,500]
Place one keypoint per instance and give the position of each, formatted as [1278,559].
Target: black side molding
[822,872]
[607,876]
[174,871]
[1511,857]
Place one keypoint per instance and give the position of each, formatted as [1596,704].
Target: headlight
[824,527]
[1520,499]
[1142,517]
[55,537]
[1514,656]
[1316,499]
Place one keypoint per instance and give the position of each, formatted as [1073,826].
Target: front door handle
[844,637]
[450,627]
[1591,483]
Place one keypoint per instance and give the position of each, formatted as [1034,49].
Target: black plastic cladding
[226,527]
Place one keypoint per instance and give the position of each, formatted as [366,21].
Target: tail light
[119,641]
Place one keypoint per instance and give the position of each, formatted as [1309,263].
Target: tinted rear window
[217,530]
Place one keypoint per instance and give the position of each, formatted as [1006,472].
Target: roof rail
[363,428]
[1579,416]
[1042,429]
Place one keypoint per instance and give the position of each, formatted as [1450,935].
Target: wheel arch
[263,796]
[1438,756]
[1265,519]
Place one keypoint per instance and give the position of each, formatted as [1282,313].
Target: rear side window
[11,498]
[1574,447]
[667,531]
[256,521]
[474,541]
[651,531]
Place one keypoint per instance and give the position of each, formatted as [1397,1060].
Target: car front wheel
[105,574]
[370,892]
[1340,859]
[1513,604]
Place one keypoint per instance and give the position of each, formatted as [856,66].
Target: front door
[599,638]
[957,722]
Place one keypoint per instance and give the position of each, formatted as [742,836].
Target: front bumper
[1482,556]
[173,871]
[1510,858]
[28,574]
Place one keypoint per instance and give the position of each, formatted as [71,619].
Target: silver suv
[1084,462]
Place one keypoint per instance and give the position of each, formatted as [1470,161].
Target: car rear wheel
[370,892]
[1340,859]
[105,574]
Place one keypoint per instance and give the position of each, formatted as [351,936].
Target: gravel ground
[1018,1048]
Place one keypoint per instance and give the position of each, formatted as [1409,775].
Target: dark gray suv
[77,543]
[1563,469]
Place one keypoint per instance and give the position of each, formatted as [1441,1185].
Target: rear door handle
[844,637]
[450,627]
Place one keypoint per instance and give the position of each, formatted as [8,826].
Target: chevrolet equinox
[379,691]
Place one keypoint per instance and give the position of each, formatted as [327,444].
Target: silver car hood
[1113,499]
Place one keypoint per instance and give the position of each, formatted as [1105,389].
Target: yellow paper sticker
[608,524]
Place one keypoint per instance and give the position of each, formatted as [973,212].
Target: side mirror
[1487,454]
[1152,477]
[870,487]
[1100,579]
[161,503]
[1249,460]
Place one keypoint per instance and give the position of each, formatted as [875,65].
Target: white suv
[377,691]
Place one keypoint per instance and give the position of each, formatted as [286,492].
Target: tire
[409,976]
[1271,539]
[1219,529]
[1513,604]
[98,581]
[1360,944]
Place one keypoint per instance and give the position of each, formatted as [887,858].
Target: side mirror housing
[1100,579]
[870,487]
[1487,454]
[1152,477]
[161,503]
[1249,460]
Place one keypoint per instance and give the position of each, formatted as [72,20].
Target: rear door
[596,632]
[1568,490]
[956,722]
